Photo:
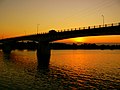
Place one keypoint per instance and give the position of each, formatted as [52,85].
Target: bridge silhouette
[43,39]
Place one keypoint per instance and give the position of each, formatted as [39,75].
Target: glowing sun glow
[79,39]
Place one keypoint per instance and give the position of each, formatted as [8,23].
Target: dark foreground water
[68,70]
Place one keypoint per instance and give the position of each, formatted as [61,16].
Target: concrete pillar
[7,48]
[43,54]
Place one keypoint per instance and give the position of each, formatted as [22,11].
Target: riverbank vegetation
[63,46]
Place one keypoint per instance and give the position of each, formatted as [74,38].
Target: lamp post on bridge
[25,32]
[2,36]
[37,27]
[103,20]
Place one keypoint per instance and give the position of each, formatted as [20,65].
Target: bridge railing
[90,27]
[72,29]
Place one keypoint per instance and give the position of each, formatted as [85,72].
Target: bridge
[43,39]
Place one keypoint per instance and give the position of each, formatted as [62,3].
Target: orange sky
[93,39]
[20,17]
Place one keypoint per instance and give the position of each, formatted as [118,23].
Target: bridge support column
[7,48]
[43,55]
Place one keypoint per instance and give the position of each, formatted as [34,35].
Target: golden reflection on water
[69,69]
[93,62]
[85,57]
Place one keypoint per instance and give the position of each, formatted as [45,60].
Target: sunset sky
[20,17]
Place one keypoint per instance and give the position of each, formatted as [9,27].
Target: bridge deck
[107,29]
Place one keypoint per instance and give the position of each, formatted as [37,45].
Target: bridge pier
[43,55]
[7,47]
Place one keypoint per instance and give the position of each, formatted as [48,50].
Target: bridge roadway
[43,51]
[110,29]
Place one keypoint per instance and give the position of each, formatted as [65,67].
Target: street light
[37,27]
[103,20]
[3,36]
[25,32]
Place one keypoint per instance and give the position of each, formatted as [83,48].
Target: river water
[68,70]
